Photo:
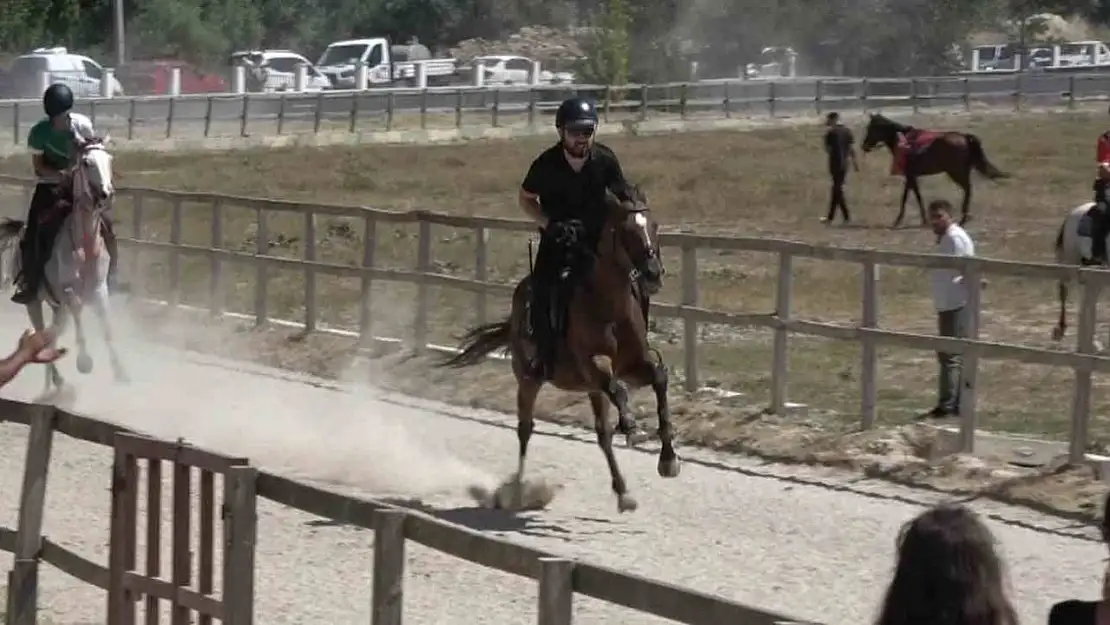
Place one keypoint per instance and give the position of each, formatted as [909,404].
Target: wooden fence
[1083,362]
[252,114]
[559,578]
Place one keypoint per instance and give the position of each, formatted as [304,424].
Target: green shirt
[55,145]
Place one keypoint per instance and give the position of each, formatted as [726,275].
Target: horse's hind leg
[625,501]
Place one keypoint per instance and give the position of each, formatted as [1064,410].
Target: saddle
[915,141]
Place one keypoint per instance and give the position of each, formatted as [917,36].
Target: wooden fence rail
[253,114]
[1084,361]
[559,578]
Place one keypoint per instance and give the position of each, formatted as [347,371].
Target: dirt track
[781,537]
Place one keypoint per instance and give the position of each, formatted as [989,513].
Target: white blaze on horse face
[642,221]
[101,169]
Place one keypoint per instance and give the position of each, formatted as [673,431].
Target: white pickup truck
[387,65]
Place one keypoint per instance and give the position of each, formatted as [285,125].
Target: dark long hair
[948,573]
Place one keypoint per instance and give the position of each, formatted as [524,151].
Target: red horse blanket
[913,142]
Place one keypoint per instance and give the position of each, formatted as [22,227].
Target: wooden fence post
[423,267]
[387,594]
[310,310]
[122,539]
[1081,399]
[175,254]
[779,370]
[240,536]
[556,595]
[868,361]
[216,266]
[138,270]
[973,281]
[689,323]
[23,581]
[262,273]
[481,271]
[365,307]
[181,564]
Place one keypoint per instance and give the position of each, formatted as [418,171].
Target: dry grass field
[768,183]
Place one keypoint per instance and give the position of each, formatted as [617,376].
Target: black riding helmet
[576,113]
[57,99]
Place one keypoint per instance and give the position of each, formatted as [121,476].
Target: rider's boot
[28,283]
[25,294]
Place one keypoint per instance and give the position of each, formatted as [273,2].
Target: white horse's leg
[84,360]
[38,321]
[100,305]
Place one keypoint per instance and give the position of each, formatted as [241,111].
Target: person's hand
[38,347]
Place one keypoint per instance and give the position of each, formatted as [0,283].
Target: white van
[79,73]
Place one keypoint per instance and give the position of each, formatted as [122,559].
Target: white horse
[1073,244]
[77,270]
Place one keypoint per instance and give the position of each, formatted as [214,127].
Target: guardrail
[558,578]
[226,115]
[425,276]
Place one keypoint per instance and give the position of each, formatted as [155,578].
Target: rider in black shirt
[839,145]
[564,193]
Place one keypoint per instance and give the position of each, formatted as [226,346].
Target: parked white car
[82,74]
[507,69]
[276,70]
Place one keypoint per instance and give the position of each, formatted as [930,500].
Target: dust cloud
[336,435]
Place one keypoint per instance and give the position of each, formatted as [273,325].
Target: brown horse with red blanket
[927,153]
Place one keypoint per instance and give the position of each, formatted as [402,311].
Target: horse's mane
[883,120]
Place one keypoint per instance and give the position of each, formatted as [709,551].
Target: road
[808,542]
[747,98]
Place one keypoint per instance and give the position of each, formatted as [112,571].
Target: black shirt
[838,143]
[1073,612]
[568,194]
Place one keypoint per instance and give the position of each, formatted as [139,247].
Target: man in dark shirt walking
[840,146]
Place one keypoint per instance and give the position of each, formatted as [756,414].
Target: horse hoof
[84,363]
[670,468]
[635,437]
[626,503]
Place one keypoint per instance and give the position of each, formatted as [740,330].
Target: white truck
[387,65]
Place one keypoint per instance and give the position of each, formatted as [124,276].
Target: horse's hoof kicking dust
[626,503]
[516,496]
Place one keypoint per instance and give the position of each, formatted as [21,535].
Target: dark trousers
[837,201]
[42,229]
[1101,221]
[950,323]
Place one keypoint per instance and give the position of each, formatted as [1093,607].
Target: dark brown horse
[604,347]
[929,153]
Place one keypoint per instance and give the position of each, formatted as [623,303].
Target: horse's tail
[9,237]
[481,342]
[979,159]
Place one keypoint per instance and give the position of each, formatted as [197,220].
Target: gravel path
[813,543]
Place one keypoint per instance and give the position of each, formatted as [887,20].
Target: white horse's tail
[9,250]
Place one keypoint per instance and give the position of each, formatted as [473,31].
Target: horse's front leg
[84,360]
[902,206]
[38,322]
[100,305]
[912,181]
[610,388]
[1062,323]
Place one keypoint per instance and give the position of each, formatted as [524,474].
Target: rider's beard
[576,147]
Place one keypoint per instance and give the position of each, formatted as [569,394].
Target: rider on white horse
[53,143]
[1093,236]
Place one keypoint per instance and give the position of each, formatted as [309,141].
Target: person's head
[57,101]
[576,121]
[947,573]
[832,119]
[940,215]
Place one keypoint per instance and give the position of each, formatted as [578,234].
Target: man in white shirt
[949,298]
